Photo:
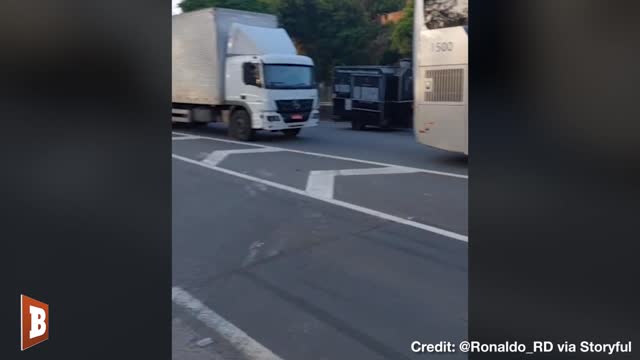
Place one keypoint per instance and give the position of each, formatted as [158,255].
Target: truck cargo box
[199,49]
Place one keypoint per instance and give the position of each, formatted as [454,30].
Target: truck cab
[278,89]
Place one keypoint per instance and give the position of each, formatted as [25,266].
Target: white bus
[441,68]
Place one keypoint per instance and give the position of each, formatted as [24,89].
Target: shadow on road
[376,130]
[221,131]
[450,159]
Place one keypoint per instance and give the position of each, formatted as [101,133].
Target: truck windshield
[288,76]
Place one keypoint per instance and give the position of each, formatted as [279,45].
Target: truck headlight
[273,118]
[315,116]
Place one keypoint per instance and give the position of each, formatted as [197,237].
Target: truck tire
[240,126]
[357,124]
[291,133]
[385,123]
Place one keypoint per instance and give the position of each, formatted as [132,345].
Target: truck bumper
[274,122]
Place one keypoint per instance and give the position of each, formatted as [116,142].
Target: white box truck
[240,68]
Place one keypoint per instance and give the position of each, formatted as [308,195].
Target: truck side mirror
[250,74]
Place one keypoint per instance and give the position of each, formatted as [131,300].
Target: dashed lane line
[217,156]
[321,182]
[187,137]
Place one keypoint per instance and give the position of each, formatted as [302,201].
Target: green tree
[378,7]
[402,36]
[264,6]
[332,32]
[385,6]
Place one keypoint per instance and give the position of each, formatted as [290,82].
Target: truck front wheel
[240,126]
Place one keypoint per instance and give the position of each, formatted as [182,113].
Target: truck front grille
[294,106]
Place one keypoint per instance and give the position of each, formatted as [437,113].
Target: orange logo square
[34,324]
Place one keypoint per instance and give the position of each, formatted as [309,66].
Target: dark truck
[380,96]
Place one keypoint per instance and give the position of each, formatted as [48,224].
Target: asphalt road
[338,244]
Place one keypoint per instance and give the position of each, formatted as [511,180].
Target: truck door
[243,82]
[252,83]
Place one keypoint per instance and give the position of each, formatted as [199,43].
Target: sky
[174,7]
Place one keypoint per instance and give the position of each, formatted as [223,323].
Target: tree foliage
[331,32]
[438,14]
[402,36]
[264,6]
[375,8]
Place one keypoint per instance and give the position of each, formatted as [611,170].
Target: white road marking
[428,171]
[221,140]
[321,182]
[187,137]
[240,340]
[204,342]
[217,156]
[364,210]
